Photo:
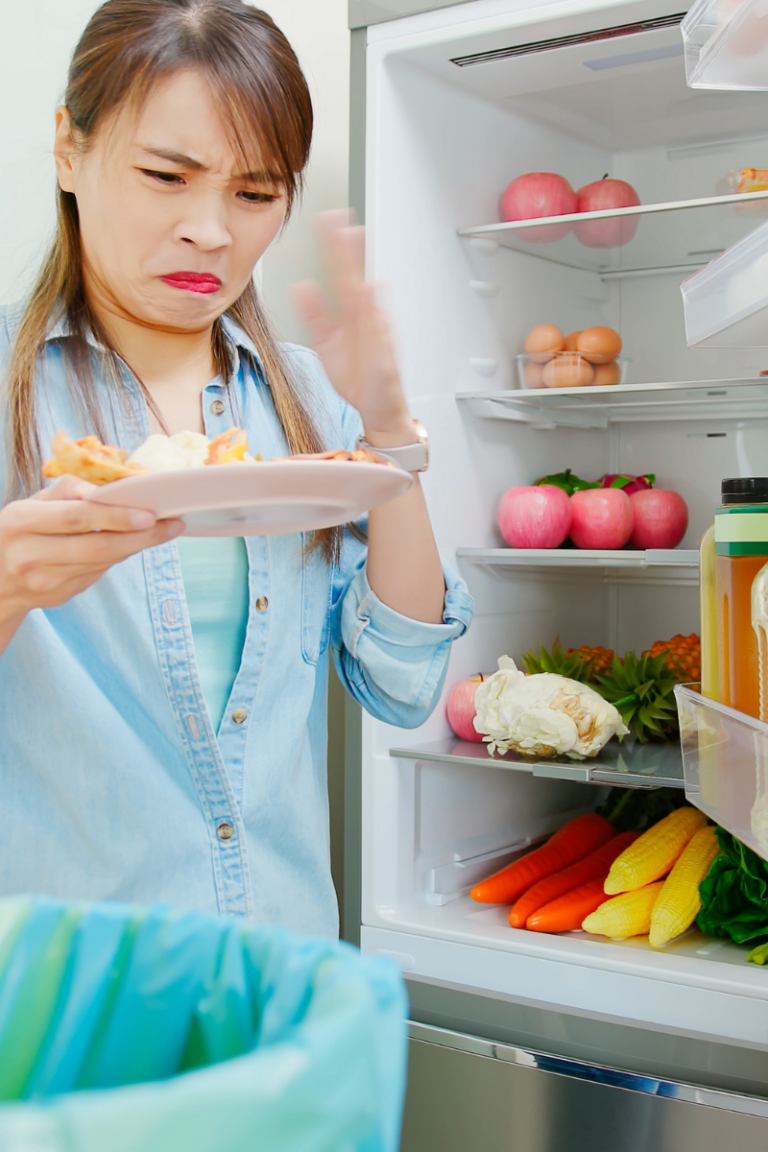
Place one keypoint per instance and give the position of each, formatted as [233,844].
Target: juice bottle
[741,550]
[708,614]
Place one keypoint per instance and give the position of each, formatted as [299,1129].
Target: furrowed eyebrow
[258,177]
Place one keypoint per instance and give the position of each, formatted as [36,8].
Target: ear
[64,150]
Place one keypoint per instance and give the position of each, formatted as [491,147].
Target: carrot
[570,843]
[565,911]
[593,867]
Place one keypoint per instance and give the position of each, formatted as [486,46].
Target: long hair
[263,99]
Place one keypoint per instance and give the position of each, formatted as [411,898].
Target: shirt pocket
[315,603]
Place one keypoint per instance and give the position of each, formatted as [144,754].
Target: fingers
[309,303]
[343,244]
[65,509]
[67,557]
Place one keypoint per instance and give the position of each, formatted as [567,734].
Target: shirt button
[262,604]
[217,408]
[225,831]
[239,715]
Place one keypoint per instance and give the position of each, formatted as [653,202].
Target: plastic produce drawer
[726,44]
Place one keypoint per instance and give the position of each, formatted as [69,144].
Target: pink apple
[460,708]
[539,194]
[602,518]
[660,518]
[598,197]
[536,517]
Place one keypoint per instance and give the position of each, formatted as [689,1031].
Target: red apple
[539,194]
[536,517]
[602,518]
[460,709]
[598,197]
[661,518]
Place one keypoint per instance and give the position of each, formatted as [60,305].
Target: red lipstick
[202,282]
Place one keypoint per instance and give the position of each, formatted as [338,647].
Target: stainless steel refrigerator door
[465,1093]
[364,12]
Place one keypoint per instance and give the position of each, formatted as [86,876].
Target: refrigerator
[548,1043]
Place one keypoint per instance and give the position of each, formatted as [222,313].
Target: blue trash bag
[128,1029]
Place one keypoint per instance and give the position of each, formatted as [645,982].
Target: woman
[162,704]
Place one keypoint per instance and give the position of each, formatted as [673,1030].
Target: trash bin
[129,1029]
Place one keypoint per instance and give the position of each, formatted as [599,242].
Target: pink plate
[260,499]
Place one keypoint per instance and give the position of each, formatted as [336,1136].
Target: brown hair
[263,96]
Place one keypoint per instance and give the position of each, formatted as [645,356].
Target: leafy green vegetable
[734,895]
[568,482]
[635,809]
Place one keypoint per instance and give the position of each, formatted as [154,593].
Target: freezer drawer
[465,1093]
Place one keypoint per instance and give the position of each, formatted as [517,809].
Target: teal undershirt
[215,574]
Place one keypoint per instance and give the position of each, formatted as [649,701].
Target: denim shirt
[113,783]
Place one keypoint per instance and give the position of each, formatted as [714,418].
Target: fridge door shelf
[599,408]
[627,765]
[726,303]
[668,239]
[725,766]
[662,565]
[726,45]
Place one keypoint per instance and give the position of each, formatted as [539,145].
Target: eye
[259,197]
[163,177]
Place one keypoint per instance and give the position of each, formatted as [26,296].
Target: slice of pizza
[228,448]
[88,459]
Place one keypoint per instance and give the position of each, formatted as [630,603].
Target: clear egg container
[567,370]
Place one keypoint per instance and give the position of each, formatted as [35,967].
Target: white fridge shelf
[629,764]
[726,45]
[669,236]
[626,403]
[726,303]
[661,564]
[725,766]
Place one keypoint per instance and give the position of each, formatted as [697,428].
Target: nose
[205,224]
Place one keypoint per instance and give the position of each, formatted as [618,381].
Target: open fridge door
[456,103]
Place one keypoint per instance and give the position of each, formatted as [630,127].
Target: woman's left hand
[355,346]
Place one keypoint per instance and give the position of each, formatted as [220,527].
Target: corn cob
[625,915]
[679,902]
[652,856]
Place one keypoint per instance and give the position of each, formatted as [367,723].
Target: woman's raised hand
[355,344]
[57,543]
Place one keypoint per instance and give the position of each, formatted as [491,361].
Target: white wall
[36,40]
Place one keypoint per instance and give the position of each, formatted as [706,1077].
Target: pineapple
[598,660]
[642,690]
[683,655]
[569,664]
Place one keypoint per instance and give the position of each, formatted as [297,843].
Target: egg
[568,370]
[542,342]
[532,375]
[570,342]
[599,345]
[606,374]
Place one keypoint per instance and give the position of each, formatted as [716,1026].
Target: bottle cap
[745,490]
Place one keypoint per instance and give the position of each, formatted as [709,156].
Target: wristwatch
[410,457]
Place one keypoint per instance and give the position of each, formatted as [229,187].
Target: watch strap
[410,457]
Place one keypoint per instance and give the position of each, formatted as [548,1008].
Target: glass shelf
[628,764]
[725,766]
[726,45]
[669,236]
[676,565]
[625,403]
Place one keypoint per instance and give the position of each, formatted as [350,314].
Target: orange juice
[741,547]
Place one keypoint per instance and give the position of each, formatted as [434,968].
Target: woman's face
[171,228]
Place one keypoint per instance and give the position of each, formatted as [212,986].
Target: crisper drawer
[465,1093]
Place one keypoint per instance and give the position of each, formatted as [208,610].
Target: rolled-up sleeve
[392,665]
